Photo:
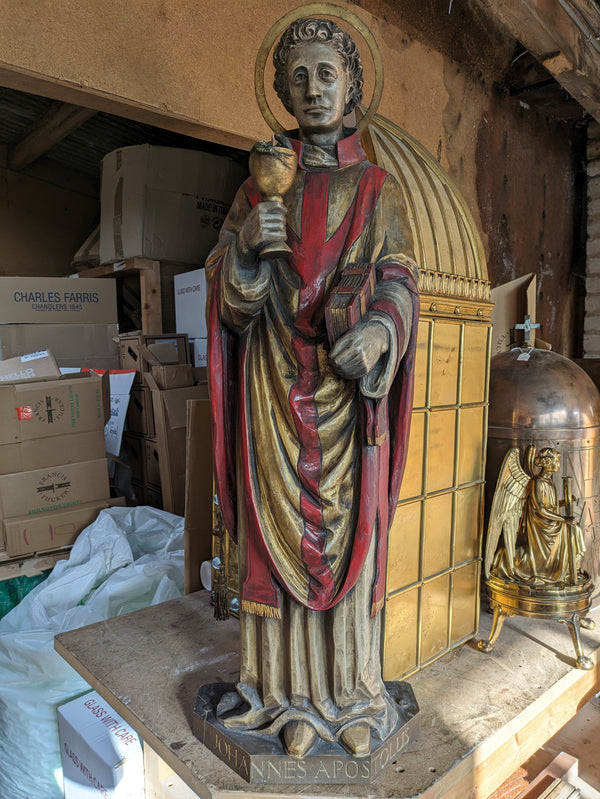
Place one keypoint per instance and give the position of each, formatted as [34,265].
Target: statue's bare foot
[298,737]
[228,701]
[357,740]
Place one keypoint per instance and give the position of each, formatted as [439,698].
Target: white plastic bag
[127,559]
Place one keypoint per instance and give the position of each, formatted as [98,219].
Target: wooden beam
[494,759]
[151,297]
[30,565]
[24,80]
[59,121]
[563,37]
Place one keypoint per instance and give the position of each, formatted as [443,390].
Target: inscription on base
[261,759]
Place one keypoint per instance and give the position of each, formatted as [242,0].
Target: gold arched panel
[434,605]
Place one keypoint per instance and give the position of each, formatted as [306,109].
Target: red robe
[321,457]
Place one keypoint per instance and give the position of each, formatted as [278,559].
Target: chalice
[273,169]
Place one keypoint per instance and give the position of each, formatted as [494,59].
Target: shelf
[150,287]
[482,716]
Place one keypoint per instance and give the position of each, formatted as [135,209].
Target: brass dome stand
[568,604]
[533,553]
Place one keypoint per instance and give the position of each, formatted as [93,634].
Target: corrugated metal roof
[18,111]
[84,149]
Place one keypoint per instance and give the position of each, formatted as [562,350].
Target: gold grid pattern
[432,596]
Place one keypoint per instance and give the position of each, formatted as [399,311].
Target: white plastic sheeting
[127,559]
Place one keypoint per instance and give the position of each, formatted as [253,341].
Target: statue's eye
[299,77]
[327,74]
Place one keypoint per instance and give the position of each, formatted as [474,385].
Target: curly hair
[305,31]
[546,455]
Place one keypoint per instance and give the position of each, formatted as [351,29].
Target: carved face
[318,86]
[548,459]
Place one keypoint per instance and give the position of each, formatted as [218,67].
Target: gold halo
[322,9]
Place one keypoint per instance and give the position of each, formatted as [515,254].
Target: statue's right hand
[264,225]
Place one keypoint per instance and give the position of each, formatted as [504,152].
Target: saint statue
[310,436]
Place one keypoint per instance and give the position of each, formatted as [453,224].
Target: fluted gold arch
[445,236]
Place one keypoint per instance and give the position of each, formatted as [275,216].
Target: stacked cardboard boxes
[155,441]
[164,203]
[74,318]
[53,467]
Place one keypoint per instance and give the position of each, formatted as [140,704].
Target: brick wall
[591,325]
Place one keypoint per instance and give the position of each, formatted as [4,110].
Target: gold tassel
[259,609]
[220,594]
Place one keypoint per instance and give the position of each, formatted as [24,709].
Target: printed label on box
[25,300]
[34,356]
[22,374]
[54,487]
[190,301]
[49,409]
[112,766]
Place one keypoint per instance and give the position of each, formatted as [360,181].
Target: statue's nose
[313,86]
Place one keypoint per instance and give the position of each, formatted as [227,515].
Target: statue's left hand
[358,350]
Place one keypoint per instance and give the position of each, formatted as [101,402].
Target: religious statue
[533,552]
[540,545]
[311,410]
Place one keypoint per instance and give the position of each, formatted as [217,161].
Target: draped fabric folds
[308,464]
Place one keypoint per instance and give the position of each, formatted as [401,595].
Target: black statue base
[262,759]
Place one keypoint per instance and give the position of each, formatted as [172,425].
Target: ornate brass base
[567,604]
[262,758]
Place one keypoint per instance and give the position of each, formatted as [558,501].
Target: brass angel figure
[539,544]
[535,571]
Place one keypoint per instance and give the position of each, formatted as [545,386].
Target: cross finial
[527,327]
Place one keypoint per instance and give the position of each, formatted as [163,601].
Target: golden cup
[273,170]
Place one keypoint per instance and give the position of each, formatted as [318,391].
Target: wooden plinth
[481,715]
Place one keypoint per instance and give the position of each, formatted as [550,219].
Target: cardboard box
[139,351]
[116,385]
[106,385]
[512,301]
[32,366]
[198,523]
[147,494]
[50,530]
[170,419]
[153,496]
[57,300]
[52,451]
[199,348]
[164,203]
[53,487]
[140,413]
[120,392]
[159,357]
[101,754]
[134,456]
[175,375]
[72,404]
[151,463]
[77,345]
[190,303]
